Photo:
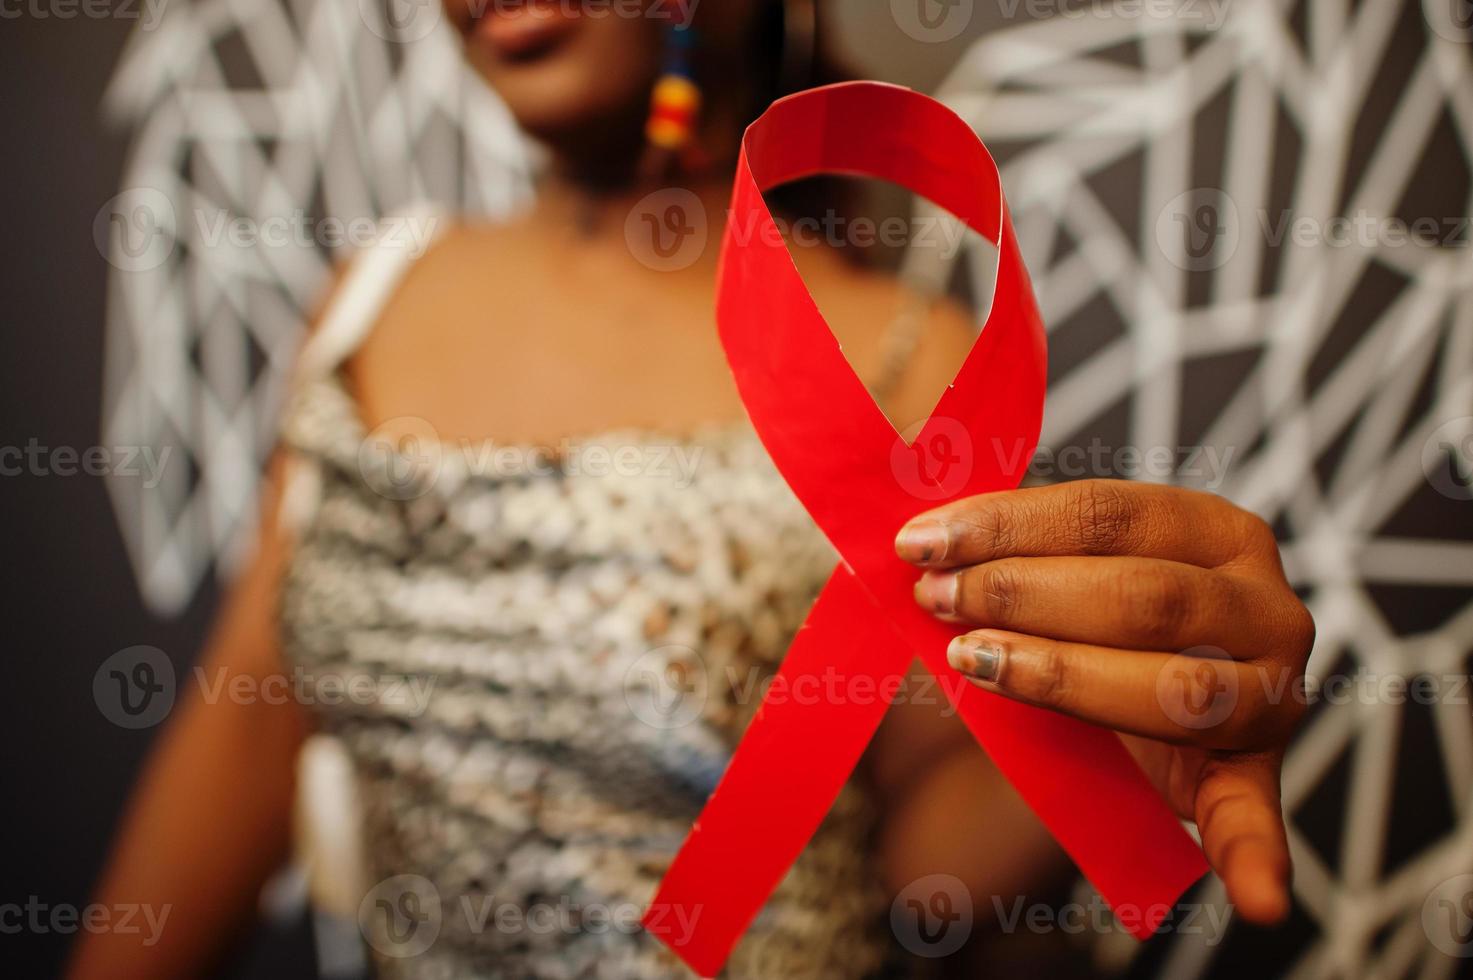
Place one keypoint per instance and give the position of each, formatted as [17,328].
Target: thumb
[1241,821]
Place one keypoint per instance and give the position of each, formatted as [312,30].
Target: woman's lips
[526,28]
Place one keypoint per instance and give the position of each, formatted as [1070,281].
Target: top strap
[372,277]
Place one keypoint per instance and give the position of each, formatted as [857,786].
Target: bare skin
[593,340]
[210,818]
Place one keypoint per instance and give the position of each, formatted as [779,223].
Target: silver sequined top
[553,655]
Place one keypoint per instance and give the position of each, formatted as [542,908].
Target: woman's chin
[562,123]
[566,107]
[566,80]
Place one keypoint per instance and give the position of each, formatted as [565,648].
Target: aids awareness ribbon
[848,466]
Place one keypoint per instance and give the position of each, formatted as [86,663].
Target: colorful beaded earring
[675,107]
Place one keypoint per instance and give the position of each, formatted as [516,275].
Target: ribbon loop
[871,129]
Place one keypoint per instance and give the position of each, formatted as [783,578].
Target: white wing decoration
[267,132]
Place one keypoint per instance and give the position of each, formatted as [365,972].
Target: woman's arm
[947,810]
[210,817]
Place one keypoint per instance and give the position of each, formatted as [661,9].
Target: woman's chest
[514,344]
[649,584]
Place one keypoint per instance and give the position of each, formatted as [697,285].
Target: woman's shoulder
[469,267]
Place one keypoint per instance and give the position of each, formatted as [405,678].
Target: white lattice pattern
[1341,398]
[262,111]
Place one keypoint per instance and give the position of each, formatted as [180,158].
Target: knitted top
[539,662]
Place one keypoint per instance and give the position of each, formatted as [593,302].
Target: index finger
[1085,517]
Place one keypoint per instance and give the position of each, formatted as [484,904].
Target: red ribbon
[856,477]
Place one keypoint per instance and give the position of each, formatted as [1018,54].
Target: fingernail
[936,591]
[974,657]
[922,542]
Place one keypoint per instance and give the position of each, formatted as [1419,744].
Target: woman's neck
[599,212]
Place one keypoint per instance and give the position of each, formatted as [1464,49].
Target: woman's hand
[1159,612]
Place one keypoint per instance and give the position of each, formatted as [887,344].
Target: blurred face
[566,68]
